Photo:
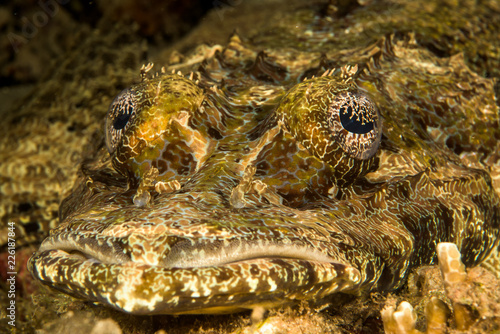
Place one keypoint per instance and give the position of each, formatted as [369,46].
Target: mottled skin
[237,187]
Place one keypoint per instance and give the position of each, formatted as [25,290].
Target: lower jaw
[145,289]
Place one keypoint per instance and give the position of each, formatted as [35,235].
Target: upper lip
[179,252]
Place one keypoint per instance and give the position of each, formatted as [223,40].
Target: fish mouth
[176,275]
[177,252]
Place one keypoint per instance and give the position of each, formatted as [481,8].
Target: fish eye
[355,124]
[336,122]
[120,114]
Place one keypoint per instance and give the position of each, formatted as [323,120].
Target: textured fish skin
[247,181]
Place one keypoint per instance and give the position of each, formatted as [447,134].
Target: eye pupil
[354,121]
[121,120]
[120,113]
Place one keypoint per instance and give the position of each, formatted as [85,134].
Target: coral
[473,296]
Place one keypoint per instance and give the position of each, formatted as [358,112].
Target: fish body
[259,178]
